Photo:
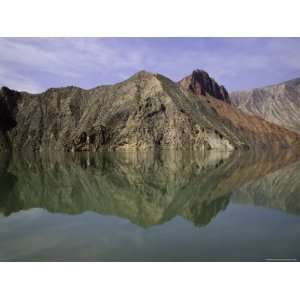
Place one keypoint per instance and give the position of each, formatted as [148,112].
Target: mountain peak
[200,71]
[143,74]
[200,83]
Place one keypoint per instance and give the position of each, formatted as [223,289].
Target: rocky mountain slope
[146,111]
[8,104]
[279,104]
[200,83]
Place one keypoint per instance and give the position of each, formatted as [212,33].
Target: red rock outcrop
[200,83]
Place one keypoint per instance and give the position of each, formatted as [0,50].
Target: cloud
[17,81]
[64,59]
[35,64]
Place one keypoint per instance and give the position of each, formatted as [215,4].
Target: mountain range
[279,103]
[146,111]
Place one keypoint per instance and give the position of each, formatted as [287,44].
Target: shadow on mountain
[146,188]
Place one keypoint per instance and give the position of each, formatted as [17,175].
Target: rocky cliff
[8,105]
[278,103]
[147,111]
[200,83]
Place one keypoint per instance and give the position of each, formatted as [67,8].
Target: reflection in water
[279,189]
[148,189]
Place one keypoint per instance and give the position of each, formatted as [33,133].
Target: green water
[165,206]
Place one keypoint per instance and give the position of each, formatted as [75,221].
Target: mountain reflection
[149,188]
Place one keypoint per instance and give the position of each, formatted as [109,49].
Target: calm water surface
[142,206]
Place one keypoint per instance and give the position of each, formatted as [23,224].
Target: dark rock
[8,105]
[200,83]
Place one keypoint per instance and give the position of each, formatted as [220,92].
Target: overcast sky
[35,64]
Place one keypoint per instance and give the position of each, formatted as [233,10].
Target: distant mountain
[279,103]
[146,111]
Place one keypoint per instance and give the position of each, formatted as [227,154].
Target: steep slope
[278,103]
[255,130]
[146,111]
[200,83]
[8,103]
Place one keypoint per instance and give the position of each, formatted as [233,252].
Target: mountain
[146,111]
[8,103]
[200,83]
[279,103]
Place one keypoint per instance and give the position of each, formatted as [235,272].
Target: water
[165,206]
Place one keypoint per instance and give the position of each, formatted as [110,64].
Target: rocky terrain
[279,104]
[146,111]
[148,188]
[201,84]
[8,104]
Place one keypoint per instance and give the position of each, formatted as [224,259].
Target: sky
[36,64]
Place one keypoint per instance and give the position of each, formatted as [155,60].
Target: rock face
[147,111]
[200,83]
[8,104]
[279,104]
